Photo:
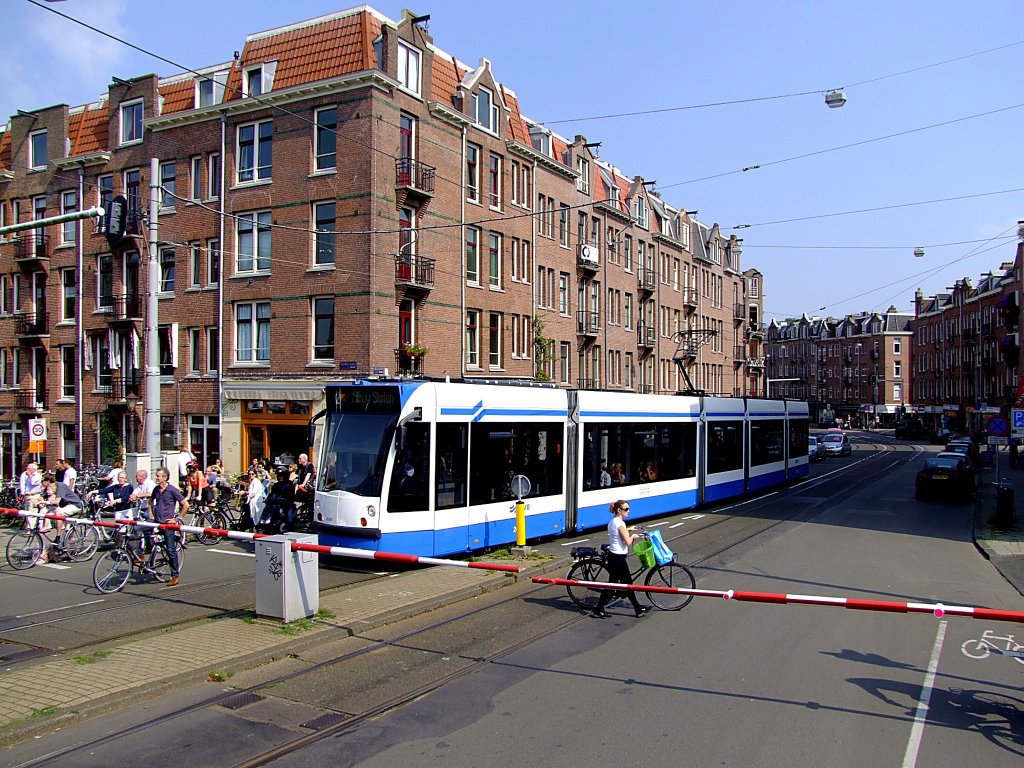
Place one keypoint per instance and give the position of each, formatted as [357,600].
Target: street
[520,677]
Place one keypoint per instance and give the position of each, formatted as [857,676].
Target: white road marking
[677,525]
[574,543]
[921,713]
[62,608]
[229,552]
[55,566]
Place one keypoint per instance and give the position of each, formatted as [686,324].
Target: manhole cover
[324,721]
[241,700]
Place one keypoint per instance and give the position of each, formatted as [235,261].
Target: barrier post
[520,523]
[287,582]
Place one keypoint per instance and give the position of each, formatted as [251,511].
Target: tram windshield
[355,451]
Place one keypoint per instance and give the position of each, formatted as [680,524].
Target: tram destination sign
[367,400]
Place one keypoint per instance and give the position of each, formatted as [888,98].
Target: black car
[945,475]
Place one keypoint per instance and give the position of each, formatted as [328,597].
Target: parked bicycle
[116,566]
[76,542]
[591,564]
[10,498]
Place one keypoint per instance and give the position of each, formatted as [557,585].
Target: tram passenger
[620,540]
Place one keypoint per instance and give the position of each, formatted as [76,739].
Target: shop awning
[269,391]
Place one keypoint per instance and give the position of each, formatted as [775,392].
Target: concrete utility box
[287,583]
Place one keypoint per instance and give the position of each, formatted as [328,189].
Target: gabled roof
[88,129]
[5,148]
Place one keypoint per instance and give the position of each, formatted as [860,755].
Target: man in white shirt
[141,492]
[31,481]
[70,473]
[182,460]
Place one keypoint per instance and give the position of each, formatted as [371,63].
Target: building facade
[374,208]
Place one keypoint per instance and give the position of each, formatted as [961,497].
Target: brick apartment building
[342,198]
[856,368]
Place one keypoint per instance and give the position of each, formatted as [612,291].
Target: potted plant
[415,351]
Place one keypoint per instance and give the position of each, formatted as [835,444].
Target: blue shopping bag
[662,554]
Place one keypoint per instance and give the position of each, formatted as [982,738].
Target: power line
[871,247]
[878,208]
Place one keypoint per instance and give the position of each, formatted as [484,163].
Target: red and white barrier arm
[936,609]
[390,557]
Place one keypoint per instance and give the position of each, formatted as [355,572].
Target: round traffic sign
[520,486]
[38,430]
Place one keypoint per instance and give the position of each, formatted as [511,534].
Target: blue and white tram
[424,467]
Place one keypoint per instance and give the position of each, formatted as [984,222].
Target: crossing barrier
[366,554]
[856,604]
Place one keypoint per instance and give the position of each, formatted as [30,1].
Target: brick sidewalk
[76,687]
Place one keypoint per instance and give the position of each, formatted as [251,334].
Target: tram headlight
[371,510]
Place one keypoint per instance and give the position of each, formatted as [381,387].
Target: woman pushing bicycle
[620,539]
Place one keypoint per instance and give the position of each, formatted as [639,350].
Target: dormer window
[485,111]
[583,180]
[37,150]
[259,79]
[641,212]
[131,122]
[210,90]
[409,67]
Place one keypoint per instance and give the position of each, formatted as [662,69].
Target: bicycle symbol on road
[989,643]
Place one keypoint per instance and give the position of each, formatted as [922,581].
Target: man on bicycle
[164,501]
[60,496]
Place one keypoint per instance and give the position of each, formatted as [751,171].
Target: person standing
[620,540]
[183,458]
[70,473]
[164,502]
[141,493]
[30,482]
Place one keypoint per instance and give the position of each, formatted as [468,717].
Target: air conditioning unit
[588,253]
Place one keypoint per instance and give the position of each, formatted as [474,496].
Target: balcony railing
[30,400]
[586,384]
[739,311]
[756,362]
[126,307]
[588,323]
[118,388]
[414,271]
[414,175]
[33,325]
[689,297]
[31,246]
[739,353]
[645,389]
[646,279]
[645,336]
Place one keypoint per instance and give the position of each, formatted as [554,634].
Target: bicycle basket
[644,550]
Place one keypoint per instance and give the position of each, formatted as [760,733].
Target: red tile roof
[5,150]
[446,74]
[178,96]
[517,126]
[88,130]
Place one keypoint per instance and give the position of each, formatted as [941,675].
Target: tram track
[347,721]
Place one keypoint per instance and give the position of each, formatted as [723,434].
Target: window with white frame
[195,353]
[524,259]
[195,265]
[494,181]
[513,257]
[37,154]
[494,352]
[325,139]
[69,229]
[485,110]
[252,332]
[253,231]
[323,328]
[68,369]
[195,187]
[563,225]
[473,255]
[324,238]
[69,295]
[5,305]
[5,380]
[473,173]
[104,281]
[583,180]
[564,370]
[897,346]
[409,67]
[167,264]
[494,260]
[131,122]
[255,151]
[897,369]
[213,172]
[527,337]
[563,293]
[168,180]
[212,262]
[212,349]
[210,90]
[259,79]
[641,212]
[472,338]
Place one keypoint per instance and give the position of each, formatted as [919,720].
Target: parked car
[942,436]
[837,444]
[965,447]
[946,474]
[971,465]
[815,448]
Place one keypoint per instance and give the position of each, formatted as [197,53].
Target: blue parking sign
[1018,418]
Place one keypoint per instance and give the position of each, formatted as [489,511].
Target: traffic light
[873,380]
[116,223]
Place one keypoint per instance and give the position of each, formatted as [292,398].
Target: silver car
[815,448]
[837,444]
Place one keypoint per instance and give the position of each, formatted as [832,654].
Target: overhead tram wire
[871,247]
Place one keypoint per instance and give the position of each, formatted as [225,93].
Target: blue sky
[573,60]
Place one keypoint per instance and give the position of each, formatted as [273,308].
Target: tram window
[767,441]
[798,437]
[355,450]
[450,469]
[499,452]
[410,481]
[631,454]
[725,446]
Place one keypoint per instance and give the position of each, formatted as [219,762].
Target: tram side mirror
[400,438]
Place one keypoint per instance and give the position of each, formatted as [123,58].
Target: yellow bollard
[520,523]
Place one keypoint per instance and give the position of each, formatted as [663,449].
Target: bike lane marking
[55,566]
[921,713]
[229,552]
[62,608]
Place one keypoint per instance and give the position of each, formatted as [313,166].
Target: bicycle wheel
[80,542]
[590,569]
[24,549]
[672,575]
[111,571]
[161,564]
[208,520]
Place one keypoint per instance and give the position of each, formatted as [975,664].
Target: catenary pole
[153,323]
